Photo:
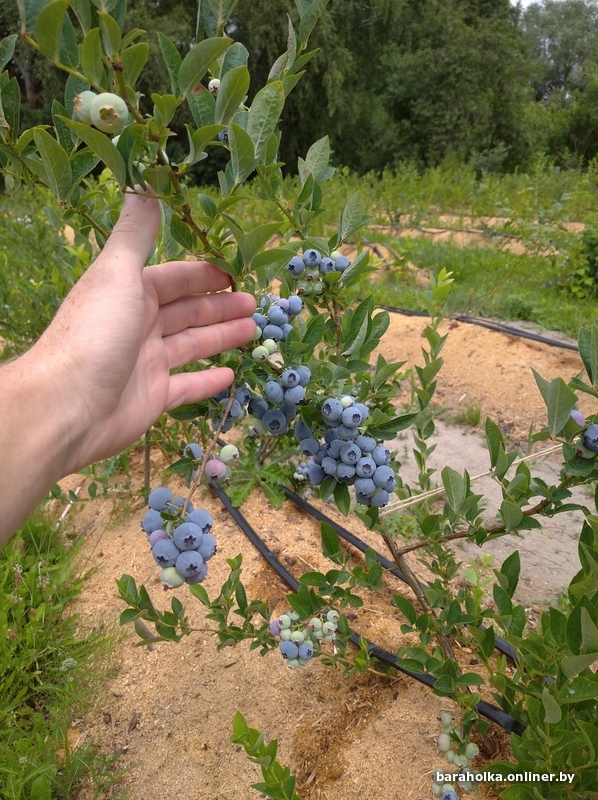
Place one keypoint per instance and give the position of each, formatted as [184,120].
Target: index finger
[176,279]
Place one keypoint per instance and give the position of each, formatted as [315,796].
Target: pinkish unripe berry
[216,469]
[578,417]
[108,112]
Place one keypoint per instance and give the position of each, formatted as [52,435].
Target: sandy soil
[167,710]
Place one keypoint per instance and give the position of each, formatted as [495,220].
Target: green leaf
[41,788]
[511,568]
[10,110]
[589,632]
[342,498]
[235,56]
[571,666]
[256,239]
[511,513]
[173,61]
[353,216]
[56,163]
[197,61]
[134,59]
[331,547]
[182,233]
[309,19]
[495,441]
[111,35]
[48,28]
[588,350]
[552,709]
[358,337]
[316,161]
[91,57]
[241,153]
[102,146]
[7,48]
[405,607]
[389,429]
[560,401]
[264,114]
[231,93]
[314,331]
[454,486]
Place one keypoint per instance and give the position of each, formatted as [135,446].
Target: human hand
[122,329]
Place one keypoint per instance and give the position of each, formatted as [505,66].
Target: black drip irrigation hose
[501,645]
[485,323]
[494,714]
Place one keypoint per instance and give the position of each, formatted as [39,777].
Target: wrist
[36,435]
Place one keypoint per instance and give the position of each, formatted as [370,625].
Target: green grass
[48,671]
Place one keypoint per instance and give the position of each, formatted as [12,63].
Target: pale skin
[99,376]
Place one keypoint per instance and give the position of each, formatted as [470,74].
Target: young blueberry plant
[312,406]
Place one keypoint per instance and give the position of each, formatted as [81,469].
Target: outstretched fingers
[190,387]
[176,279]
[193,344]
[204,310]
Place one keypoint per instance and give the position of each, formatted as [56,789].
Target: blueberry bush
[312,407]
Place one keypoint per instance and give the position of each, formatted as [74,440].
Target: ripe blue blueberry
[350,453]
[201,518]
[243,394]
[321,454]
[296,266]
[288,409]
[449,795]
[260,320]
[152,521]
[290,378]
[199,575]
[159,498]
[302,431]
[274,393]
[315,473]
[207,547]
[331,409]
[365,443]
[341,263]
[288,649]
[365,467]
[223,136]
[275,421]
[295,394]
[178,503]
[277,316]
[306,650]
[326,265]
[257,407]
[286,329]
[329,465]
[330,436]
[365,487]
[188,563]
[193,450]
[187,536]
[380,499]
[589,438]
[296,305]
[381,455]
[311,258]
[384,477]
[345,473]
[165,553]
[352,417]
[309,447]
[273,332]
[346,433]
[334,448]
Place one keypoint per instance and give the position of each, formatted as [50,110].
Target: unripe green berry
[295,616]
[171,578]
[444,742]
[315,624]
[319,287]
[259,353]
[298,637]
[285,634]
[347,401]
[304,288]
[284,621]
[332,616]
[214,85]
[108,112]
[229,454]
[472,750]
[81,105]
[270,346]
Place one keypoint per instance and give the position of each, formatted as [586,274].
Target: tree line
[478,82]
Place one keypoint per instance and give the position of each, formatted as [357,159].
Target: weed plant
[48,670]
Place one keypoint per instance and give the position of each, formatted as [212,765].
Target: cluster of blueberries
[347,455]
[458,762]
[274,411]
[180,537]
[310,267]
[297,641]
[274,322]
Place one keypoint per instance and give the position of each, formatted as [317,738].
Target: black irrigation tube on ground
[486,323]
[501,645]
[494,714]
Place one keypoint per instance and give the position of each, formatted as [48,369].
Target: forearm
[34,438]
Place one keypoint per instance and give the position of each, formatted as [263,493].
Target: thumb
[133,236]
